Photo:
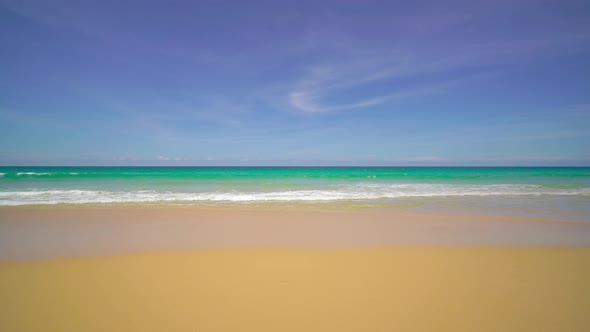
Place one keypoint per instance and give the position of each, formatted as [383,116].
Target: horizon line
[299,166]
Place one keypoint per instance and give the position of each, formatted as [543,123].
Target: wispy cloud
[324,81]
[308,101]
[359,73]
[173,159]
[415,71]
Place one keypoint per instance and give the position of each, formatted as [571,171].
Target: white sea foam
[46,173]
[2,174]
[358,192]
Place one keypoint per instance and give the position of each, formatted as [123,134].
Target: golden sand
[384,289]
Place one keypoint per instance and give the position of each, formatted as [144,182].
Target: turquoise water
[559,188]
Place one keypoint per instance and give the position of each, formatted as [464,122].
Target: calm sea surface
[546,191]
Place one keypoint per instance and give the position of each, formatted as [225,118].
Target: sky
[298,83]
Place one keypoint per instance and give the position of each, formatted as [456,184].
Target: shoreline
[262,207]
[37,233]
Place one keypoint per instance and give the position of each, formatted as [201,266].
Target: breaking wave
[350,192]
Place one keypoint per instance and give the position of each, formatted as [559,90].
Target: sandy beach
[42,232]
[92,268]
[403,288]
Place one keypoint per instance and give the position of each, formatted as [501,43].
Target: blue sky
[294,82]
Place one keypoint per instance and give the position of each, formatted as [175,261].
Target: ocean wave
[45,173]
[361,192]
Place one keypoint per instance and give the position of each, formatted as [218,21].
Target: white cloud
[323,81]
[308,101]
[434,71]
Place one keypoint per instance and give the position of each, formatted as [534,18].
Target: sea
[550,192]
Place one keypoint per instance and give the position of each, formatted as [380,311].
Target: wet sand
[65,231]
